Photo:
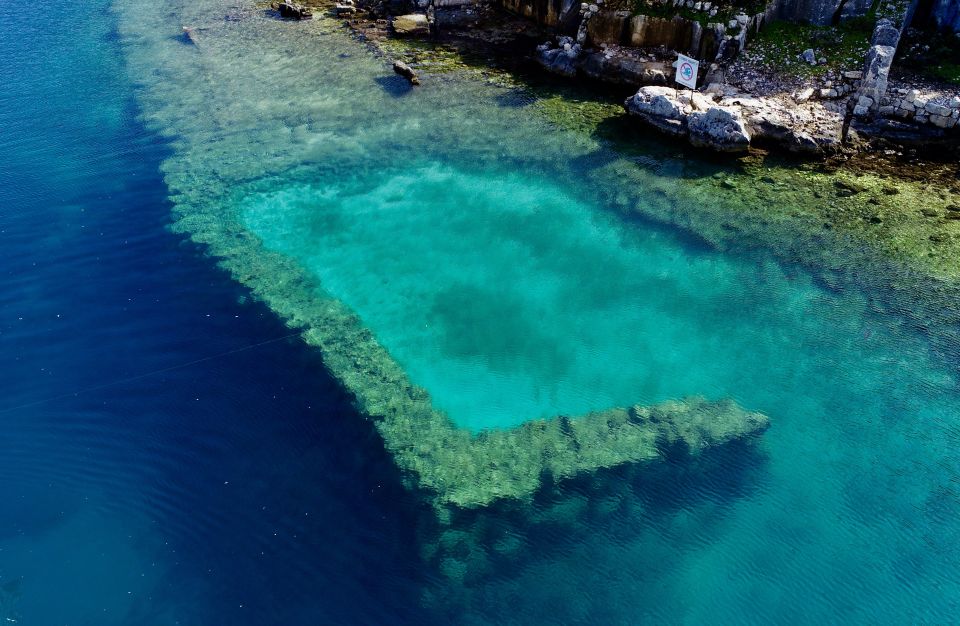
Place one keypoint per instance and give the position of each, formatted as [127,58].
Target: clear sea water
[170,454]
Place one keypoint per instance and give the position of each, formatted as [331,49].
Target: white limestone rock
[720,128]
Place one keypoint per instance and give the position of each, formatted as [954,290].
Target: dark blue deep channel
[164,458]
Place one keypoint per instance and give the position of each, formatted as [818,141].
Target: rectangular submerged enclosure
[497,323]
[522,317]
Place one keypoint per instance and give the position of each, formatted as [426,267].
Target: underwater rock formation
[294,11]
[467,470]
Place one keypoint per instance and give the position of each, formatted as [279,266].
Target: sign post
[687,70]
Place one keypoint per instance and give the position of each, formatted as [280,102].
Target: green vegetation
[725,10]
[778,45]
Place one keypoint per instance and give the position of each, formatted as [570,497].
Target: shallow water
[476,240]
[510,300]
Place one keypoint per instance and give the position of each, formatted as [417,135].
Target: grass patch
[725,10]
[779,44]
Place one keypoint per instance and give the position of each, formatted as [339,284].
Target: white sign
[687,69]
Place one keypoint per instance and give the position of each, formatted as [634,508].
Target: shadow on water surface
[395,85]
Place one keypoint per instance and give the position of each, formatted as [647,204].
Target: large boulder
[719,128]
[558,61]
[294,11]
[413,24]
[406,71]
[664,108]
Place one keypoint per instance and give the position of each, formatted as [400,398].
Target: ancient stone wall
[557,13]
[912,105]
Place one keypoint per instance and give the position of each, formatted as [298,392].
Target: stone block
[942,121]
[412,24]
[938,109]
[885,34]
[804,95]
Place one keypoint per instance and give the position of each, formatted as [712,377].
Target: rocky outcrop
[344,7]
[293,11]
[725,121]
[404,70]
[610,64]
[562,60]
[412,25]
[718,128]
[664,108]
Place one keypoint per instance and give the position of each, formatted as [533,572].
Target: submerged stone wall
[707,41]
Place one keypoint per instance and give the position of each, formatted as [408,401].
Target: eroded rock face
[661,107]
[624,70]
[558,61]
[546,12]
[719,128]
[736,121]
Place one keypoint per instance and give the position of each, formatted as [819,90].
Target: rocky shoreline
[741,105]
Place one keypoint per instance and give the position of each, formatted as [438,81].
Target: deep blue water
[170,454]
[146,474]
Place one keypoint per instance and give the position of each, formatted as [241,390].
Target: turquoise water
[208,485]
[508,299]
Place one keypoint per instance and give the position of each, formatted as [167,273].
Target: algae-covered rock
[470,471]
[413,24]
